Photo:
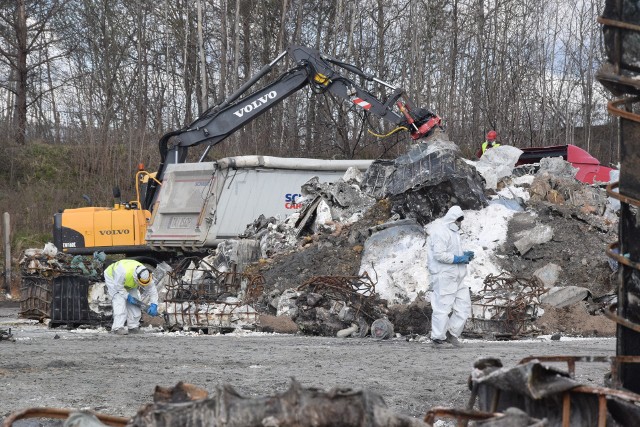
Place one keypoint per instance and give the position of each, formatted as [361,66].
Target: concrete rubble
[282,267]
[565,295]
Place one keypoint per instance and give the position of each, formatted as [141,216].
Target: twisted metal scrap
[199,299]
[359,291]
[509,298]
[212,285]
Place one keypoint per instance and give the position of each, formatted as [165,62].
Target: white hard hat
[142,275]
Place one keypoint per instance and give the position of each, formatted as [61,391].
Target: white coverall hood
[452,214]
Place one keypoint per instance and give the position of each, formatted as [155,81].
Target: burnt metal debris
[35,302]
[621,30]
[328,304]
[356,289]
[297,406]
[42,293]
[426,181]
[507,306]
[198,295]
[550,394]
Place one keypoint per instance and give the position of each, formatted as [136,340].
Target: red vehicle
[589,168]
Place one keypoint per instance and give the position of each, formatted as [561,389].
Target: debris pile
[331,305]
[355,251]
[296,406]
[426,181]
[539,233]
[187,405]
[48,262]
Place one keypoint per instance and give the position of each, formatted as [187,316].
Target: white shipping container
[201,204]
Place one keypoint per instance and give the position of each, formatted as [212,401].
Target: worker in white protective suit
[447,262]
[124,279]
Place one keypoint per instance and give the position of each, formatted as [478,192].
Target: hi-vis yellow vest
[130,267]
[485,145]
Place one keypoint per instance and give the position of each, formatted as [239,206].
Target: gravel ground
[116,375]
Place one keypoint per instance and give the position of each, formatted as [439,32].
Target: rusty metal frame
[602,392]
[618,24]
[61,414]
[610,313]
[614,107]
[616,195]
[623,108]
[35,297]
[514,313]
[201,297]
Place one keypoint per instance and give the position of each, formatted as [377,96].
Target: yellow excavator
[120,229]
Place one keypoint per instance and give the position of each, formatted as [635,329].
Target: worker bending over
[451,300]
[124,278]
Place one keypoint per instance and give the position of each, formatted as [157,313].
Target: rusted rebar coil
[618,24]
[620,257]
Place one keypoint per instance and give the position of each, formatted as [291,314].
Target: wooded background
[87,87]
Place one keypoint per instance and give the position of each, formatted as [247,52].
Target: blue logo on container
[290,201]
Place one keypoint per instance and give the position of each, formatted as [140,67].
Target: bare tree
[24,31]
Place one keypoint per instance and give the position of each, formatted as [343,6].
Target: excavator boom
[321,73]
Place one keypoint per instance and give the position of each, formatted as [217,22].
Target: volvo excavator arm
[321,73]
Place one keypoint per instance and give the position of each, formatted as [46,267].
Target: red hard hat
[492,135]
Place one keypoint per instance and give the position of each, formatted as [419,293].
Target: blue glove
[152,310]
[461,259]
[469,254]
[131,300]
